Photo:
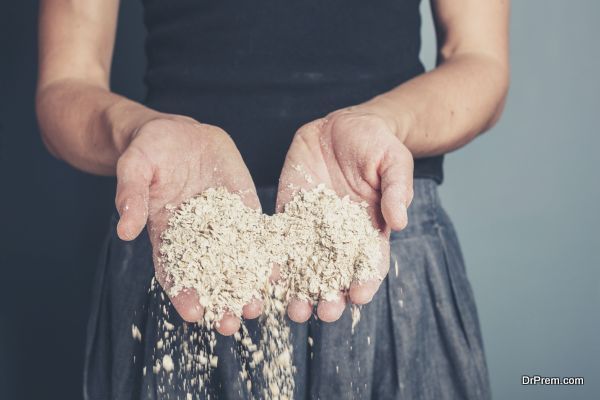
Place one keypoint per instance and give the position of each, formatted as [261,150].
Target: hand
[355,153]
[170,160]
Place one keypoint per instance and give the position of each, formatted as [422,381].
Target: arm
[446,108]
[366,151]
[158,158]
[82,122]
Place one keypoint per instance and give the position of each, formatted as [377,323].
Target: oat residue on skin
[299,168]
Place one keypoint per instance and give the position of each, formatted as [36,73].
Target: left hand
[354,152]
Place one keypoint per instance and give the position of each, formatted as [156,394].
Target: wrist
[124,119]
[400,122]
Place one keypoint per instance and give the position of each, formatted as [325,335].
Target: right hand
[169,160]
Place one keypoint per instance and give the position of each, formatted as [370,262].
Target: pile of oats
[224,250]
[329,242]
[217,246]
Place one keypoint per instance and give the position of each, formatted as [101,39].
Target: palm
[348,153]
[167,163]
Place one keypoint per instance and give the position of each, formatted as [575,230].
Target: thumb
[134,175]
[396,172]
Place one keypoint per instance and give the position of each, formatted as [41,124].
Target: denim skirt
[418,339]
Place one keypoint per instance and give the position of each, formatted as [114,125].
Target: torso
[260,70]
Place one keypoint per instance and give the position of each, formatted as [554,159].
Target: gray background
[523,198]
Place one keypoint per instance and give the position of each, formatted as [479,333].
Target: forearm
[87,125]
[444,109]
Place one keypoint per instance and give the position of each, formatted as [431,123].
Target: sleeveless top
[260,69]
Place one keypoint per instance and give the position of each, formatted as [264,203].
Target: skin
[364,151]
[432,114]
[379,171]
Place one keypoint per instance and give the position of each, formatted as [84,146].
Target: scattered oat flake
[135,333]
[355,314]
[167,363]
[169,326]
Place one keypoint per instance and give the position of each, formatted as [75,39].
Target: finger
[253,309]
[396,172]
[362,293]
[330,311]
[228,325]
[299,311]
[188,305]
[250,198]
[134,175]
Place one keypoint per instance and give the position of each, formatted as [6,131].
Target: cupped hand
[169,160]
[355,153]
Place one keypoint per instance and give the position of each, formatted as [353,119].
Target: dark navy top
[260,69]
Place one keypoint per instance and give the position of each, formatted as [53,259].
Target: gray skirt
[419,338]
